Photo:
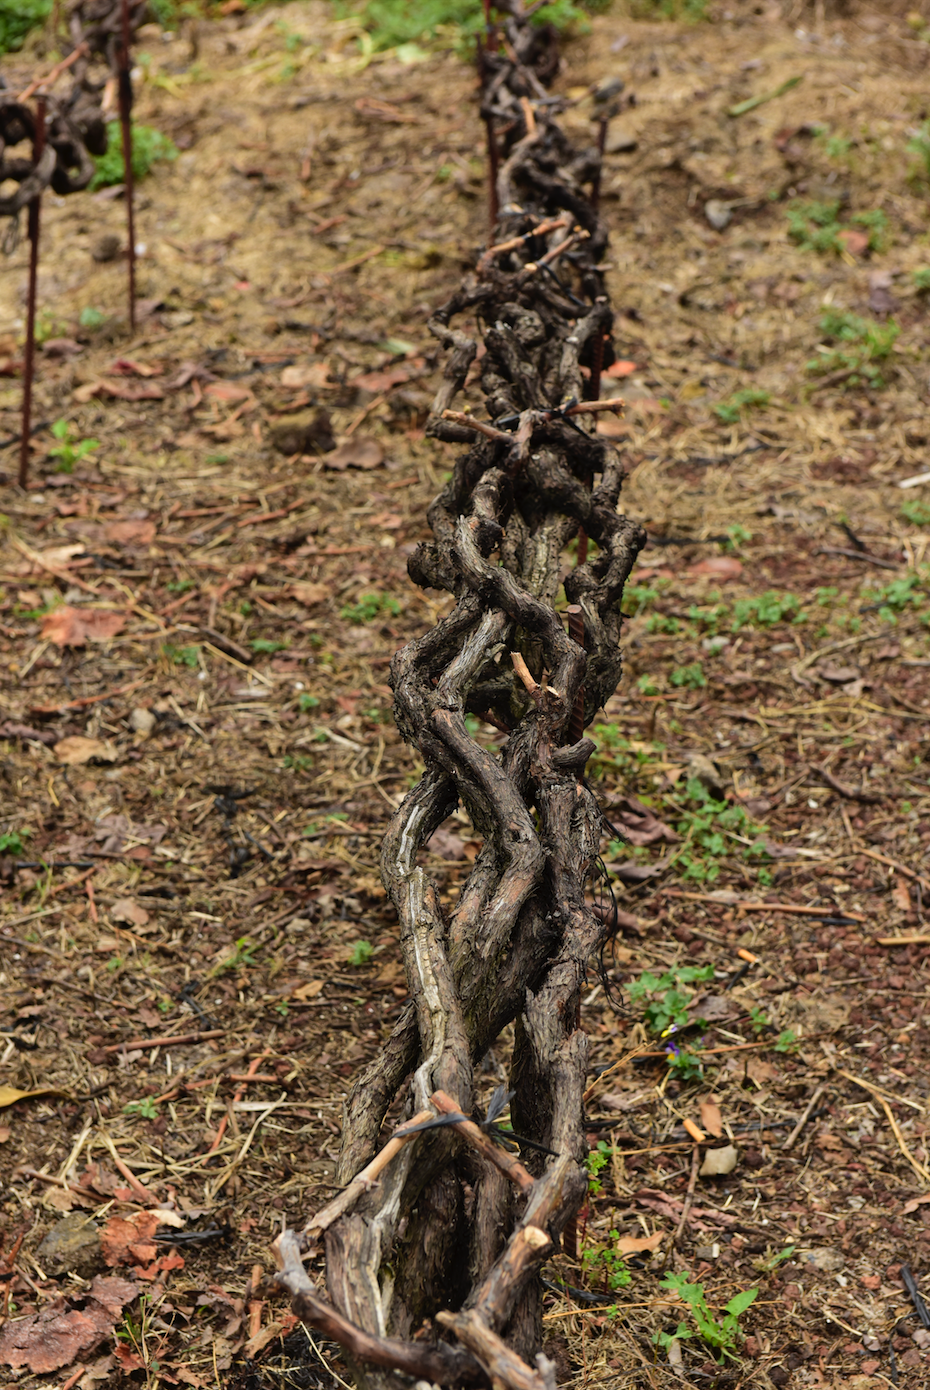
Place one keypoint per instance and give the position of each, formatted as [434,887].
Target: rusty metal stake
[38,145]
[125,116]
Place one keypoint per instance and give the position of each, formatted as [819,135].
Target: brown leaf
[612,428]
[718,1162]
[914,1203]
[115,830]
[722,567]
[228,393]
[9,1095]
[125,366]
[126,532]
[128,1240]
[310,990]
[313,374]
[711,1119]
[632,871]
[378,382]
[632,1245]
[310,594]
[76,750]
[621,368]
[856,242]
[639,825]
[362,451]
[72,627]
[837,675]
[128,910]
[119,391]
[53,1338]
[901,896]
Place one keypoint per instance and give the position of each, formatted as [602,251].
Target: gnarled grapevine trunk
[457,1231]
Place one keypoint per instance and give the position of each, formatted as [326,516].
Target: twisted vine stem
[428,1241]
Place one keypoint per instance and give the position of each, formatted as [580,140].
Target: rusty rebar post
[125,118]
[38,145]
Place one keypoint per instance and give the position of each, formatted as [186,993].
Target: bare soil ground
[205,780]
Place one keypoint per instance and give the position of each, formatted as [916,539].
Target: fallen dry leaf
[53,1338]
[633,1245]
[377,382]
[119,391]
[362,451]
[76,750]
[612,428]
[310,990]
[711,1118]
[128,910]
[228,393]
[837,675]
[9,1095]
[309,594]
[59,555]
[854,241]
[72,627]
[718,1162]
[129,1240]
[639,826]
[901,895]
[721,567]
[126,366]
[307,374]
[915,1203]
[125,532]
[621,368]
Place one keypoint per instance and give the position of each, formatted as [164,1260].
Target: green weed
[772,1259]
[606,1264]
[861,343]
[148,146]
[646,685]
[307,702]
[361,953]
[917,513]
[691,11]
[369,608]
[736,536]
[731,411]
[91,318]
[180,586]
[397,24]
[816,226]
[919,145]
[901,593]
[691,676]
[765,610]
[787,1041]
[711,827]
[921,280]
[722,1335]
[69,450]
[181,656]
[659,623]
[266,645]
[298,762]
[595,1162]
[13,842]
[17,18]
[639,595]
[242,957]
[146,1109]
[668,1007]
